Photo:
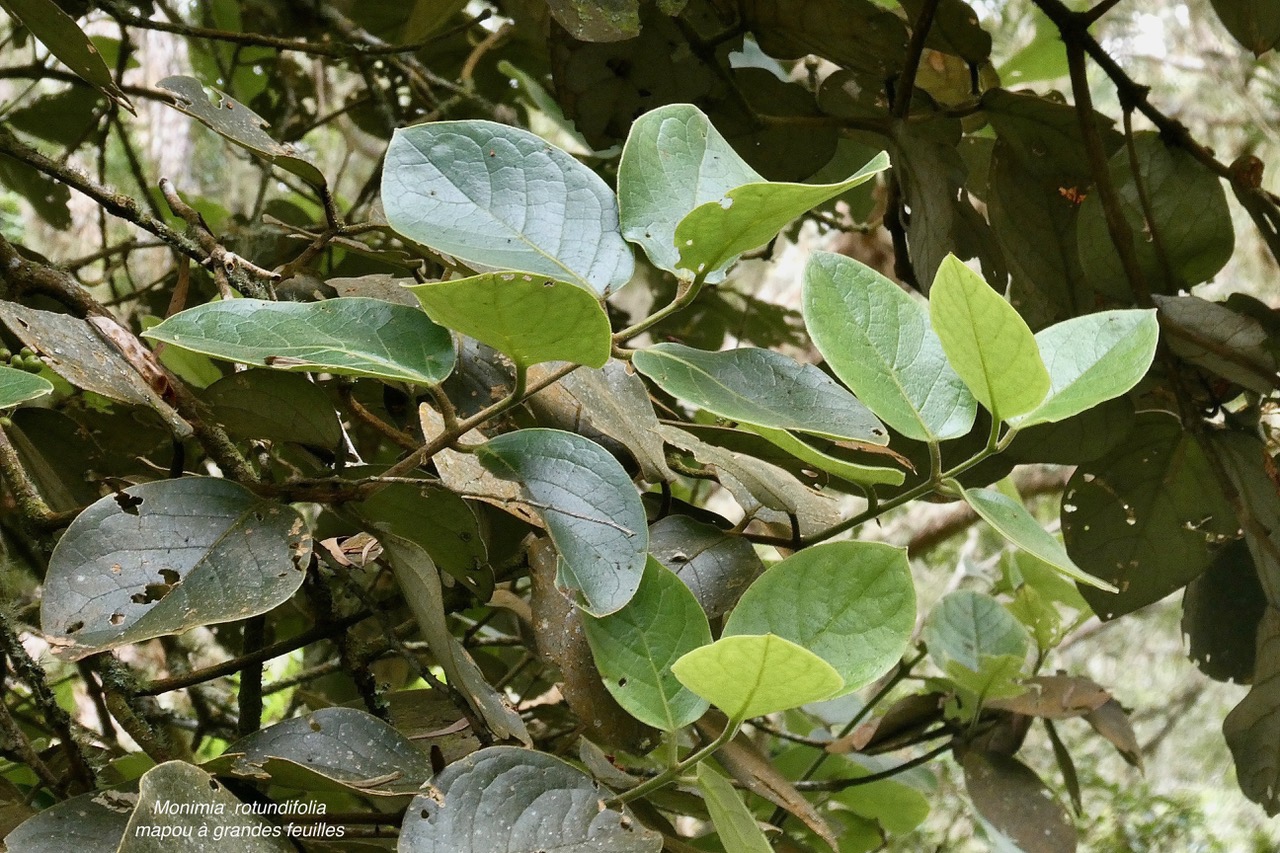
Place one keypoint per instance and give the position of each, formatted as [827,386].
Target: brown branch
[15,740]
[40,73]
[234,665]
[332,49]
[843,784]
[397,436]
[905,87]
[1112,208]
[217,256]
[30,503]
[118,204]
[54,715]
[1074,29]
[249,696]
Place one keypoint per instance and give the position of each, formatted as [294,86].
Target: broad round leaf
[1009,795]
[750,676]
[761,387]
[353,336]
[1012,521]
[879,342]
[427,513]
[590,506]
[851,603]
[1092,359]
[967,626]
[1253,23]
[714,234]
[334,749]
[500,198]
[1145,517]
[1189,212]
[674,161]
[518,801]
[716,566]
[272,404]
[635,647]
[161,558]
[89,822]
[18,386]
[206,803]
[530,318]
[986,341]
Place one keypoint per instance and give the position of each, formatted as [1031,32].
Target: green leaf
[955,30]
[419,581]
[237,123]
[715,233]
[427,17]
[878,340]
[1092,359]
[1145,517]
[760,387]
[635,647]
[428,514]
[1020,807]
[163,557]
[986,341]
[352,336]
[1043,58]
[590,507]
[79,351]
[532,319]
[750,676]
[1223,339]
[611,20]
[734,822]
[1189,214]
[868,475]
[851,603]
[762,489]
[333,749]
[1038,176]
[1221,611]
[519,801]
[1252,728]
[57,31]
[18,386]
[896,805]
[934,178]
[615,401]
[90,822]
[715,565]
[1253,23]
[852,33]
[967,626]
[674,160]
[278,406]
[1251,469]
[500,198]
[1012,521]
[209,804]
[48,198]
